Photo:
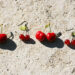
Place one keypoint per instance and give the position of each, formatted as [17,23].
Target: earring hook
[24,28]
[70,29]
[24,22]
[11,35]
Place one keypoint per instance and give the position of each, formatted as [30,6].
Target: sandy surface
[35,58]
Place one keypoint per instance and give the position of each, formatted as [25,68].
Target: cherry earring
[72,42]
[24,28]
[3,37]
[51,36]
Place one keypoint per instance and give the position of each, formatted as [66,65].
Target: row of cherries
[51,37]
[41,36]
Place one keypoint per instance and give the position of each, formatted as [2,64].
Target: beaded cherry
[24,28]
[40,36]
[67,42]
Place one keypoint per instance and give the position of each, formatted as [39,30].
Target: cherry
[22,37]
[73,42]
[27,37]
[3,38]
[67,42]
[40,36]
[51,37]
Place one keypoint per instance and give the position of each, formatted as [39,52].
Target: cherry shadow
[9,45]
[58,43]
[72,47]
[31,41]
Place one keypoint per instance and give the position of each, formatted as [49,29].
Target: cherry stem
[1,28]
[49,28]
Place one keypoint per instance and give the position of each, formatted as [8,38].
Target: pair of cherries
[72,42]
[42,36]
[68,42]
[24,38]
[24,28]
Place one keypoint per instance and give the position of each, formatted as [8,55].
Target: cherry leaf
[73,34]
[46,26]
[23,28]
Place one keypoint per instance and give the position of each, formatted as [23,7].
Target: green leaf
[23,28]
[46,26]
[73,33]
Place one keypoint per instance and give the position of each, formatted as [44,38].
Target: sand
[35,58]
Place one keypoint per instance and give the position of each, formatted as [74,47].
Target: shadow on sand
[9,45]
[58,43]
[31,41]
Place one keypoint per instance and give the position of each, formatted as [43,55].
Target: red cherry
[22,37]
[27,37]
[40,36]
[67,42]
[51,37]
[3,38]
[73,42]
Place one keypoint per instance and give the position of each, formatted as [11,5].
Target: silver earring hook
[70,29]
[24,22]
[11,36]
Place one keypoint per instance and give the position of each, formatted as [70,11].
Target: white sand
[37,59]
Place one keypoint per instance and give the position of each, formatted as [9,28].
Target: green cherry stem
[1,28]
[50,28]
